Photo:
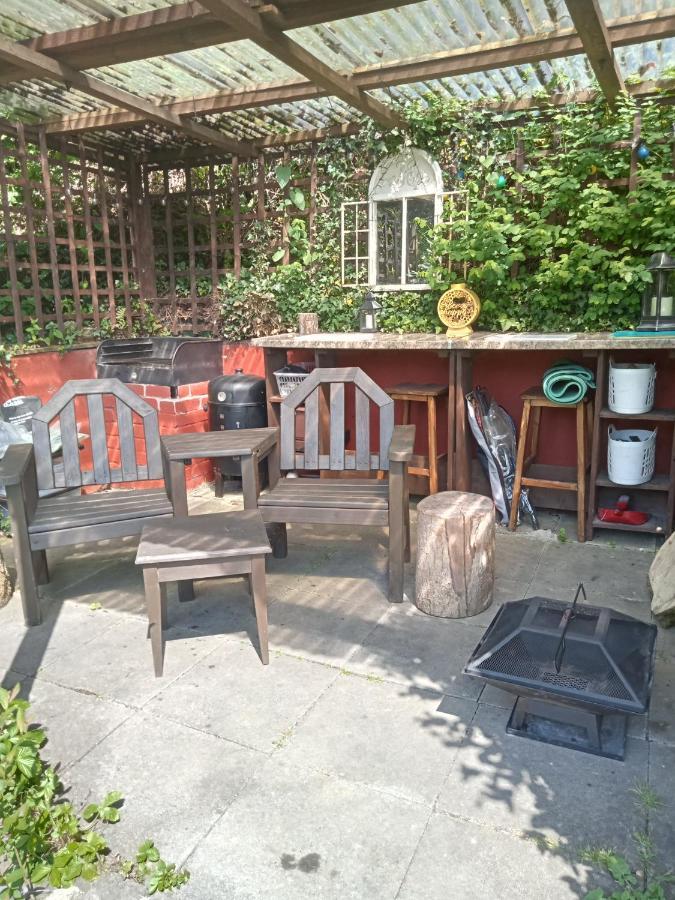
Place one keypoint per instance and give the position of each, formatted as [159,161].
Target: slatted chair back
[108,412]
[328,388]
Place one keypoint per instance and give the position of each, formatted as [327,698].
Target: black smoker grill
[168,361]
[578,671]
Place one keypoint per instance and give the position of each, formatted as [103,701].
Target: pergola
[236,76]
[139,141]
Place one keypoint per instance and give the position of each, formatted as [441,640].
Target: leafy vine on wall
[553,240]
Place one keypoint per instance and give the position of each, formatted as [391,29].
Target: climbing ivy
[555,243]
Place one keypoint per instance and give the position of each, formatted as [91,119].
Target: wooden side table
[429,394]
[207,546]
[250,445]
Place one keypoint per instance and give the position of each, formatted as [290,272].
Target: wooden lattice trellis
[66,235]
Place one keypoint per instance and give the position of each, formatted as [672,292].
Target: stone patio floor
[360,763]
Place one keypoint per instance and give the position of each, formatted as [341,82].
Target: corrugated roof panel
[396,34]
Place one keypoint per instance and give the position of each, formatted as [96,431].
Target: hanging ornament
[501,181]
[643,152]
[460,175]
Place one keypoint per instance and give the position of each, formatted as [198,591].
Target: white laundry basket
[630,455]
[631,387]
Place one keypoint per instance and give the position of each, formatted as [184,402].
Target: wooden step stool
[429,394]
[534,400]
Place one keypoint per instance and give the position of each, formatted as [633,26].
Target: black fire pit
[577,671]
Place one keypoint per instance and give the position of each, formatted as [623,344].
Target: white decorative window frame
[407,175]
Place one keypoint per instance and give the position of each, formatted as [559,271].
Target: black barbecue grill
[168,361]
[578,670]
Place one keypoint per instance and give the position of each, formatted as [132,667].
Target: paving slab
[662,821]
[230,693]
[294,834]
[65,625]
[75,721]
[409,647]
[619,573]
[458,859]
[383,735]
[662,707]
[118,661]
[176,782]
[323,618]
[573,798]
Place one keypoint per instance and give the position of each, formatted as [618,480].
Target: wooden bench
[357,501]
[29,474]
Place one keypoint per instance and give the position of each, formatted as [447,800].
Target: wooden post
[142,243]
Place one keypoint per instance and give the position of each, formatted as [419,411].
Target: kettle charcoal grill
[168,361]
[577,671]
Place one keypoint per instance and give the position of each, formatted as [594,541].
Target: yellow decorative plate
[458,308]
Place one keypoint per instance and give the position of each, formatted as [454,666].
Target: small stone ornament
[458,308]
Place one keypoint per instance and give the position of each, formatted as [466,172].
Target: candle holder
[368,314]
[657,300]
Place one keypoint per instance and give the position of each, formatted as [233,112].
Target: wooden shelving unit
[656,497]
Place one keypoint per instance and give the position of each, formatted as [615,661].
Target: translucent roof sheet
[398,34]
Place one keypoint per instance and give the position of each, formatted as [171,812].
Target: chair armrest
[15,463]
[401,447]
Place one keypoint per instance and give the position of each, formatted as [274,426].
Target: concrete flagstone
[356,731]
[409,647]
[662,820]
[230,693]
[176,782]
[573,798]
[76,721]
[294,834]
[459,859]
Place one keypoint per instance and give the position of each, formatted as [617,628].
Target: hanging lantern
[368,314]
[657,301]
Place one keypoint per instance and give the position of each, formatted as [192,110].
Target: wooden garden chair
[358,501]
[30,474]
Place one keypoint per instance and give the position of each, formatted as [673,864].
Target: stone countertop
[480,340]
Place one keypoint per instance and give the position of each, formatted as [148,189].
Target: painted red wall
[505,374]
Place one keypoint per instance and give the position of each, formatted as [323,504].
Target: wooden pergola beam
[481,58]
[250,24]
[590,25]
[174,29]
[37,65]
[662,91]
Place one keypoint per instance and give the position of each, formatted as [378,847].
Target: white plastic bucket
[630,455]
[631,387]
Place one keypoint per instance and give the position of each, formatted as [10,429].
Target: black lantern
[657,301]
[370,310]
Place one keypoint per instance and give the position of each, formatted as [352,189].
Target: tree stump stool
[455,570]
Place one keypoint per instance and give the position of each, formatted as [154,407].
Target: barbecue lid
[238,389]
[604,658]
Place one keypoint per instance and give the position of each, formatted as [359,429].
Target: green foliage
[557,249]
[43,840]
[639,883]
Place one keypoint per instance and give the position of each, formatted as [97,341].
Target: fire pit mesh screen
[607,661]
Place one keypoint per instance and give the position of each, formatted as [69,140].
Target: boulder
[662,580]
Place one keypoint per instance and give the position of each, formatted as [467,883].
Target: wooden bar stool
[429,394]
[534,400]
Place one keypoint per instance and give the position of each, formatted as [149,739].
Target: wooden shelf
[655,525]
[654,415]
[658,483]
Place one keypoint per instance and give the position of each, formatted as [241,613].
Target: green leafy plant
[43,840]
[641,882]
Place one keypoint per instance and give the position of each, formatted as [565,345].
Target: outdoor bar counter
[505,363]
